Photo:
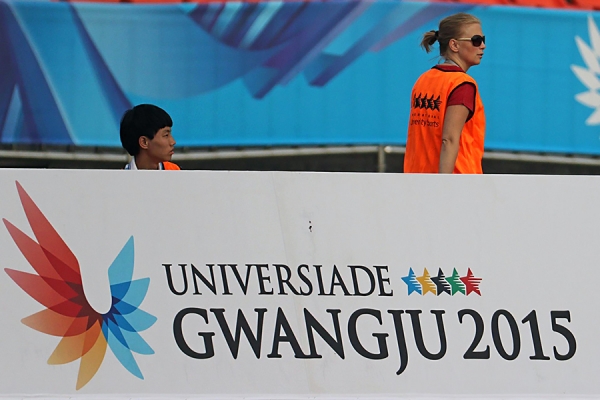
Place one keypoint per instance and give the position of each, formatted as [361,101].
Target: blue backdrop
[287,73]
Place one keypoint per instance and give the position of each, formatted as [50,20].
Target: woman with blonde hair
[446,127]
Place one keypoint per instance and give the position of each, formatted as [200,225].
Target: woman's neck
[449,61]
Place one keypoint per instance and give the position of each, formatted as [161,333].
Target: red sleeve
[464,94]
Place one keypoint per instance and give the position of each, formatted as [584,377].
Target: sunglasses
[475,40]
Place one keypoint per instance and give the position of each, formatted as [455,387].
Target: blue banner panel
[287,73]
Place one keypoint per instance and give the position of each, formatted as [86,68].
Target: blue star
[412,283]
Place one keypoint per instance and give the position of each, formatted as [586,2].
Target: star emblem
[471,282]
[426,282]
[456,284]
[412,283]
[441,283]
[417,101]
[436,103]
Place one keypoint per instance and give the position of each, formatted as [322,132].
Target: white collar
[131,166]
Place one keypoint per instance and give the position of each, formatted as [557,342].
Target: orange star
[426,282]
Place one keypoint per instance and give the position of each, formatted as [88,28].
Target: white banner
[297,285]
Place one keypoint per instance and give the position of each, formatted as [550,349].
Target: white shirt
[132,166]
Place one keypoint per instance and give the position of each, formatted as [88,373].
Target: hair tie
[434,38]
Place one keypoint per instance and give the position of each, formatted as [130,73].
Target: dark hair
[450,28]
[142,120]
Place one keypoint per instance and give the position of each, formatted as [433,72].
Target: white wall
[533,241]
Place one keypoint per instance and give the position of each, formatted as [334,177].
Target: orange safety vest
[170,166]
[428,110]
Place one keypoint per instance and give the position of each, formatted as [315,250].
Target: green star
[455,283]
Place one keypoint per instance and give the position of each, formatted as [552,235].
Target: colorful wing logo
[57,285]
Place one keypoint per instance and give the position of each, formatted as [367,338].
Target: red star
[471,282]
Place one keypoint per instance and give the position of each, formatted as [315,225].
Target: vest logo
[425,102]
[439,284]
[57,285]
[588,75]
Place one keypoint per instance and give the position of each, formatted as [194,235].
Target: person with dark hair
[446,128]
[146,135]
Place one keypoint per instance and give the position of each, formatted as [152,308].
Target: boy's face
[160,148]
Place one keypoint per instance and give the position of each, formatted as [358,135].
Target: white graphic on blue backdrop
[588,75]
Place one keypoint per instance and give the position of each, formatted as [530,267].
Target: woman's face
[468,53]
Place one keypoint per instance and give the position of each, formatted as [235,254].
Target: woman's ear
[453,45]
